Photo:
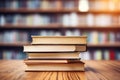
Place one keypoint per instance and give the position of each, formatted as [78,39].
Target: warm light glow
[83,5]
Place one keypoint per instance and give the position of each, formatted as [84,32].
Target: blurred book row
[94,37]
[68,4]
[72,19]
[101,55]
[30,4]
[89,55]
[12,54]
[13,36]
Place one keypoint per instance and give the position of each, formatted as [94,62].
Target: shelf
[58,26]
[104,11]
[117,44]
[25,10]
[50,26]
[20,44]
[93,27]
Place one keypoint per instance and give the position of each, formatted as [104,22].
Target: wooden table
[94,70]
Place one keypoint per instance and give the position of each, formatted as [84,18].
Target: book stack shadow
[55,53]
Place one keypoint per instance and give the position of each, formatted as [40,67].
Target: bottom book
[73,66]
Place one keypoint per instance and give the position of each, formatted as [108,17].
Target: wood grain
[94,70]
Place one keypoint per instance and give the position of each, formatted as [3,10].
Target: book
[37,62]
[2,20]
[72,33]
[74,55]
[54,48]
[112,55]
[106,55]
[9,19]
[98,55]
[74,18]
[59,40]
[66,20]
[74,66]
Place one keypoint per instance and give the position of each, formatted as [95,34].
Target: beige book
[77,66]
[37,62]
[74,55]
[59,40]
[54,48]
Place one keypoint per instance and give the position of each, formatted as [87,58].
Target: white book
[66,20]
[85,56]
[2,20]
[43,33]
[83,5]
[54,48]
[73,19]
[57,33]
[37,20]
[103,20]
[90,19]
[68,33]
[76,32]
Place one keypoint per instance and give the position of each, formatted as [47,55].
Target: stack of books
[55,53]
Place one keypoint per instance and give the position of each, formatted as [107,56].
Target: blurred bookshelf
[98,19]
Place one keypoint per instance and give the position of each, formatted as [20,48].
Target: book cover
[54,48]
[71,55]
[77,66]
[59,40]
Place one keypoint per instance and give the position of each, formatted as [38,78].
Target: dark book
[8,3]
[117,36]
[22,3]
[112,55]
[9,19]
[1,55]
[2,4]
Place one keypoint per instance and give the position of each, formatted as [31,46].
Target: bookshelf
[60,17]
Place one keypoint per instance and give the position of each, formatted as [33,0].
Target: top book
[59,40]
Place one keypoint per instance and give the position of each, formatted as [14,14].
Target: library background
[98,19]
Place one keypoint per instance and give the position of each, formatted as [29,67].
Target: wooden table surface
[94,70]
